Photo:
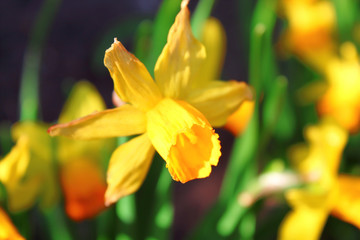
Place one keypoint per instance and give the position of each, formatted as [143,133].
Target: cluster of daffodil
[312,36]
[166,116]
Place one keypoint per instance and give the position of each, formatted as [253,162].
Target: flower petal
[308,216]
[40,143]
[184,139]
[7,229]
[214,39]
[14,165]
[84,188]
[22,196]
[347,206]
[128,167]
[83,100]
[238,121]
[219,99]
[327,141]
[303,223]
[178,66]
[132,82]
[123,121]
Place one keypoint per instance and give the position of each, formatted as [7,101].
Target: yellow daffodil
[29,170]
[326,192]
[81,174]
[172,115]
[309,36]
[7,229]
[341,100]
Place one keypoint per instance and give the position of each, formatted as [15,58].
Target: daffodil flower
[341,100]
[326,192]
[7,229]
[80,170]
[173,115]
[307,36]
[29,171]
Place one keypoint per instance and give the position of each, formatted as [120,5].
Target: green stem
[163,208]
[29,90]
[201,13]
[56,224]
[256,40]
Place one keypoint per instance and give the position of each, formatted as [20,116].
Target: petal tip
[184,4]
[51,131]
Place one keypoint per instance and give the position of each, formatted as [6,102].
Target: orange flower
[309,36]
[81,174]
[84,188]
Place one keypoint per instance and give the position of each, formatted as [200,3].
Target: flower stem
[201,13]
[29,89]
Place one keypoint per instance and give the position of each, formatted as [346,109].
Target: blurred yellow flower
[81,172]
[7,229]
[309,36]
[238,121]
[214,40]
[341,100]
[173,115]
[29,170]
[326,192]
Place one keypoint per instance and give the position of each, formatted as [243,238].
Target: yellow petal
[84,188]
[347,206]
[40,169]
[214,39]
[22,196]
[14,165]
[238,121]
[13,169]
[132,82]
[40,143]
[184,139]
[178,66]
[308,216]
[303,223]
[83,100]
[219,99]
[69,149]
[7,229]
[128,167]
[327,141]
[123,121]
